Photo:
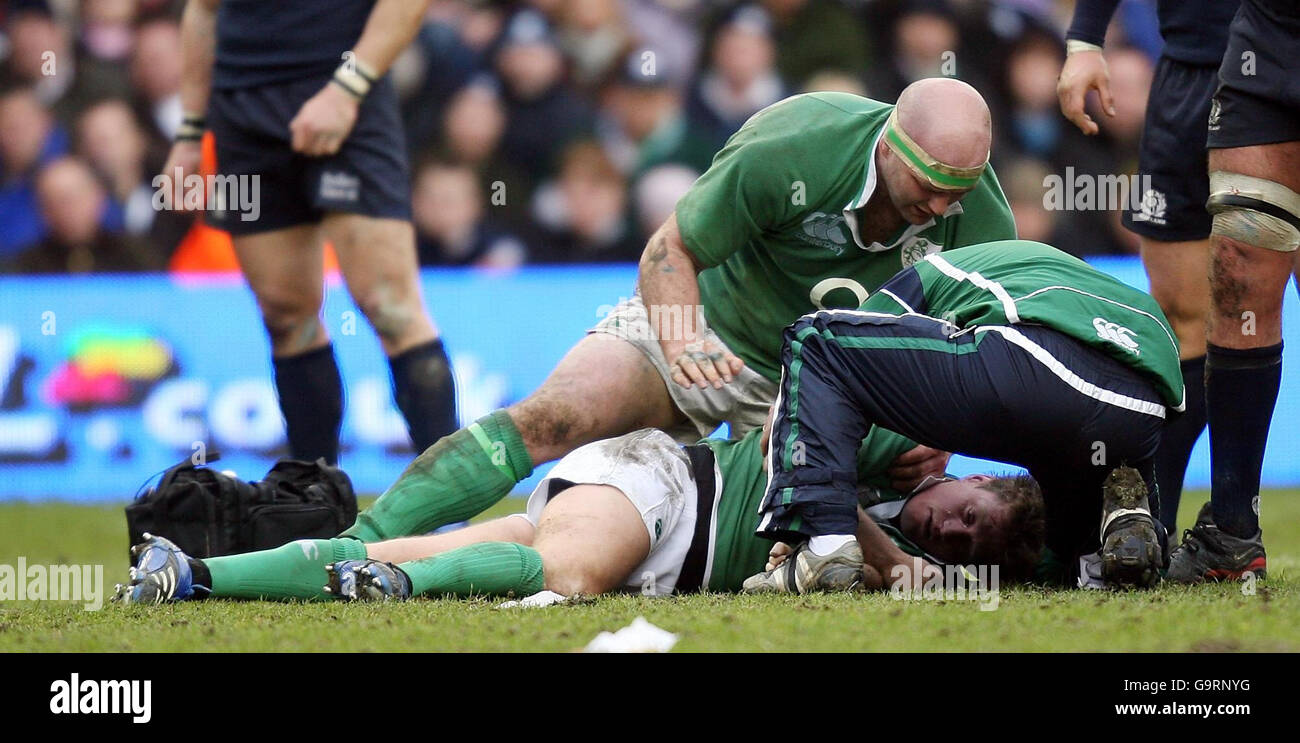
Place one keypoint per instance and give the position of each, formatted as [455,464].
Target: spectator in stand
[1032,126]
[926,41]
[110,139]
[448,52]
[656,194]
[472,130]
[582,215]
[74,205]
[838,82]
[1025,182]
[29,138]
[475,122]
[594,37]
[670,29]
[817,35]
[543,114]
[42,58]
[740,79]
[104,42]
[645,124]
[451,228]
[156,74]
[1022,181]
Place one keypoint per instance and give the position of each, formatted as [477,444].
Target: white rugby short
[655,474]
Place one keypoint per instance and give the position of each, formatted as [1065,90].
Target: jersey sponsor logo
[917,249]
[1151,208]
[825,231]
[1117,334]
[340,186]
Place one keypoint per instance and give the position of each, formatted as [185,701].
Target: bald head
[948,119]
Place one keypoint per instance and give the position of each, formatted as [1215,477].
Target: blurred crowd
[544,131]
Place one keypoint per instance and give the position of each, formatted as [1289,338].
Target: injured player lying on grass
[638,512]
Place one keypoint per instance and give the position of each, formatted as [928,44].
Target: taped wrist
[1073,46]
[191,128]
[354,77]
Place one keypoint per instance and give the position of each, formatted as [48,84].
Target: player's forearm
[878,550]
[198,44]
[669,288]
[389,29]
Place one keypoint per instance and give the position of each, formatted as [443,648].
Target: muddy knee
[292,323]
[391,312]
[1246,290]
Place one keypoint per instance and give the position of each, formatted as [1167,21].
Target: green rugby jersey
[772,221]
[1020,281]
[737,552]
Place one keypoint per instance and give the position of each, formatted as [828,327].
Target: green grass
[1173,618]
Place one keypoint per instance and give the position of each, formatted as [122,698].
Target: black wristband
[191,128]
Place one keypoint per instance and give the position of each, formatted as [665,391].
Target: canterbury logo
[825,230]
[1115,333]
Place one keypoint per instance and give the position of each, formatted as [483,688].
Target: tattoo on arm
[659,251]
[659,255]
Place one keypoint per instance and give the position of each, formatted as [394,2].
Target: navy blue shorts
[1258,99]
[368,175]
[1172,155]
[1023,394]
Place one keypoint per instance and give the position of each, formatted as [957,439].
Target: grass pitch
[1173,618]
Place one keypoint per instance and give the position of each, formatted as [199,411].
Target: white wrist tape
[354,77]
[1078,45]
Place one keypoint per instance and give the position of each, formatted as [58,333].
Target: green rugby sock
[486,568]
[457,478]
[292,571]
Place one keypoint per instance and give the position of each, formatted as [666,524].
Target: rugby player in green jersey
[1030,357]
[638,512]
[815,202]
[1012,351]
